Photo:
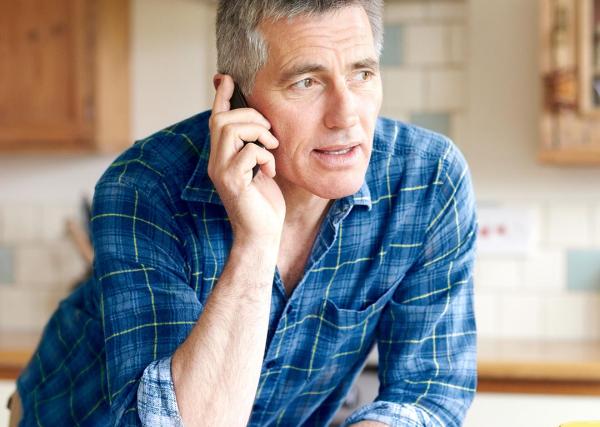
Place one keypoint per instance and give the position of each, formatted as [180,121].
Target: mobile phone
[238,101]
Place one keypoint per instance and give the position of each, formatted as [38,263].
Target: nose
[342,108]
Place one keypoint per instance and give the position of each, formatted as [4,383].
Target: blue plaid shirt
[391,266]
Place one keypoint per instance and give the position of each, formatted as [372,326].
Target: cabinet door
[589,45]
[569,125]
[45,74]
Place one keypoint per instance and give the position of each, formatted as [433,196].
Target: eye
[304,83]
[364,75]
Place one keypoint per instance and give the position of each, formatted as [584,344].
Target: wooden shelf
[573,156]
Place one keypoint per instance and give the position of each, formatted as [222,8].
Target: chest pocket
[342,338]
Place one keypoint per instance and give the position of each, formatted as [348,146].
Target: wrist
[263,245]
[260,254]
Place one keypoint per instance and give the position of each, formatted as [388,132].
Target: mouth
[336,150]
[338,156]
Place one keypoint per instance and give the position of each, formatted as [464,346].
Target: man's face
[321,91]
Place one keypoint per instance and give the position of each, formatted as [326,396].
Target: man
[223,299]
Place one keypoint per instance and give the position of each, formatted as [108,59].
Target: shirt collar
[200,188]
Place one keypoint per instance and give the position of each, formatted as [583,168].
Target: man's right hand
[255,207]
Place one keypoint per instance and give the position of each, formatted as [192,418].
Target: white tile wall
[404,89]
[396,113]
[21,222]
[571,316]
[516,297]
[447,10]
[46,262]
[406,12]
[528,296]
[545,270]
[54,219]
[427,44]
[458,44]
[48,265]
[568,225]
[419,10]
[35,265]
[596,225]
[71,265]
[459,129]
[521,316]
[2,238]
[445,90]
[22,309]
[499,273]
[487,313]
[432,77]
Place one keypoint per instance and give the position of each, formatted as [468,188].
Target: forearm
[218,366]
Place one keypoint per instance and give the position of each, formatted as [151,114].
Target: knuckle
[212,121]
[228,130]
[251,148]
[211,171]
[215,121]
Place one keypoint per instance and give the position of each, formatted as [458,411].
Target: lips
[338,157]
[335,152]
[335,149]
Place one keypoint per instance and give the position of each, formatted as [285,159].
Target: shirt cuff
[390,413]
[156,401]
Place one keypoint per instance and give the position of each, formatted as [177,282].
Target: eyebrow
[307,68]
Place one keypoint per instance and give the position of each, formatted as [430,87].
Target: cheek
[294,132]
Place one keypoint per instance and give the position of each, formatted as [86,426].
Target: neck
[303,209]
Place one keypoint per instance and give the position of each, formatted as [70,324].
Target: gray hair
[241,48]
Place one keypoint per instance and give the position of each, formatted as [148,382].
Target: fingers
[233,137]
[234,178]
[250,156]
[231,162]
[224,85]
[240,115]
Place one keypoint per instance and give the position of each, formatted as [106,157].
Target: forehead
[346,30]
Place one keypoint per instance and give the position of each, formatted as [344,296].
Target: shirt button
[271,364]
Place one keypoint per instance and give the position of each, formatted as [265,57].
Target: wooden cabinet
[590,57]
[570,77]
[64,75]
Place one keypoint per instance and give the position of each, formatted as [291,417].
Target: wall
[538,295]
[467,69]
[173,62]
[172,69]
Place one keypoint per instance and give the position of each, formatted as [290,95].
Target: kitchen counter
[537,367]
[16,349]
[546,367]
[504,366]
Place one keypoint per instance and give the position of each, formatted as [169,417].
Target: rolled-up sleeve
[147,305]
[157,403]
[427,333]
